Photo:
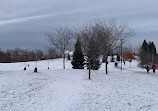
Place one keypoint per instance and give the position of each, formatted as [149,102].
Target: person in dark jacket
[147,69]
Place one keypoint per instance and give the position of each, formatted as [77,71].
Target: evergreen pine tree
[152,52]
[78,57]
[112,58]
[103,59]
[152,48]
[95,64]
[144,53]
[145,47]
[118,57]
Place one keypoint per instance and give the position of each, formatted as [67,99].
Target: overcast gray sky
[24,22]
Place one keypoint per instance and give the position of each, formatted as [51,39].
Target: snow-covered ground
[70,90]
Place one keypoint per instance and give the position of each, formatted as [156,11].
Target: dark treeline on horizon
[148,53]
[22,55]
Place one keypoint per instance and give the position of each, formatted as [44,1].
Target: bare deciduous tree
[60,39]
[114,36]
[106,38]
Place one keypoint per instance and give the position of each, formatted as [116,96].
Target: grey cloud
[24,22]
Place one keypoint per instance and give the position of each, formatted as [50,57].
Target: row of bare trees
[98,38]
[22,55]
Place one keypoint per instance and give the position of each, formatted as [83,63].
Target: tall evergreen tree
[144,53]
[78,57]
[118,57]
[148,53]
[152,48]
[152,52]
[145,47]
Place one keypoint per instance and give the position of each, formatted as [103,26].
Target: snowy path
[70,90]
[27,91]
[120,92]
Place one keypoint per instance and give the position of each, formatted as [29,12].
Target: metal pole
[35,70]
[25,63]
[121,55]
[36,62]
[48,64]
[25,60]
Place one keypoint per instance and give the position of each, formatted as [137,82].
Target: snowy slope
[41,65]
[70,90]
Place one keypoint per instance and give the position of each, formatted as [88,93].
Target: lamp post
[25,66]
[48,63]
[25,63]
[35,70]
[121,53]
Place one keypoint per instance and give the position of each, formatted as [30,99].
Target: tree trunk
[64,62]
[106,64]
[89,68]
[93,64]
[89,74]
[152,58]
[106,67]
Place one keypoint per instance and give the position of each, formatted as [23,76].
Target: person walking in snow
[152,65]
[154,68]
[116,64]
[147,69]
[124,62]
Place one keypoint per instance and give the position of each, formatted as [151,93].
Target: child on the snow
[147,69]
[116,64]
[154,68]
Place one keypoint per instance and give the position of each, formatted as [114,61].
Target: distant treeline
[22,55]
[148,53]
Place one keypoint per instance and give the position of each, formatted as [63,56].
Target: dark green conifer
[144,53]
[78,57]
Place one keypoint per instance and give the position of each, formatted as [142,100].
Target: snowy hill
[70,90]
